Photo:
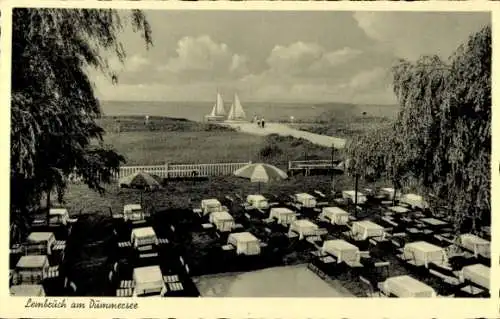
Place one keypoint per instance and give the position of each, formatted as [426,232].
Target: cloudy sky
[280,56]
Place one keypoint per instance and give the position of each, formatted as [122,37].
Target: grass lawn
[152,148]
[166,140]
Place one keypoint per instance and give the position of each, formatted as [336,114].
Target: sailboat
[236,112]
[218,112]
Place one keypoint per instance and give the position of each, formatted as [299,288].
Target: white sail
[218,111]
[219,106]
[236,112]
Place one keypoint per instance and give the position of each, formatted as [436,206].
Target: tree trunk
[48,207]
[333,151]
[356,178]
[394,184]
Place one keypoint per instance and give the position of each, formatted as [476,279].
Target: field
[166,140]
[347,125]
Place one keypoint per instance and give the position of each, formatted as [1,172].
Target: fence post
[166,170]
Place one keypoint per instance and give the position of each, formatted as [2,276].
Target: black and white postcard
[322,156]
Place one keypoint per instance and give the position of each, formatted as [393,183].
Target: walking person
[262,122]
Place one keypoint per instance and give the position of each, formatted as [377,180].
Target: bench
[124,244]
[320,194]
[175,286]
[170,278]
[124,292]
[148,255]
[207,226]
[328,260]
[59,245]
[162,241]
[127,284]
[53,272]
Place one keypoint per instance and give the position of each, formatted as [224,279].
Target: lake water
[195,111]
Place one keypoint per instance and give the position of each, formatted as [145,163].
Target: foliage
[54,108]
[446,123]
[442,136]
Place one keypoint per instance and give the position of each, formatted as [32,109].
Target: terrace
[379,237]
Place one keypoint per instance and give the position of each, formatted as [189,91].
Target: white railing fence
[183,170]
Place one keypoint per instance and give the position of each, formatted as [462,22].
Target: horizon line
[255,101]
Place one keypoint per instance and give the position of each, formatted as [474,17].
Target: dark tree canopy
[54,108]
[442,136]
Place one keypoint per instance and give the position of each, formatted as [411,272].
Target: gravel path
[285,130]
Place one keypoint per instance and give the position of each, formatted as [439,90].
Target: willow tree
[54,108]
[366,156]
[445,124]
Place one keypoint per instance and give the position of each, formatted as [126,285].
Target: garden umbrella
[140,180]
[260,173]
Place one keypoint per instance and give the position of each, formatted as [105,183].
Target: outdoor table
[337,216]
[40,243]
[399,209]
[223,221]
[406,286]
[303,227]
[32,269]
[422,253]
[258,201]
[389,192]
[284,215]
[361,198]
[144,236]
[306,200]
[133,212]
[341,250]
[148,280]
[245,243]
[478,274]
[210,205]
[478,245]
[434,222]
[27,290]
[366,229]
[414,200]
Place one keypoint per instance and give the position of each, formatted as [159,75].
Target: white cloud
[410,35]
[133,63]
[302,58]
[136,63]
[204,55]
[367,78]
